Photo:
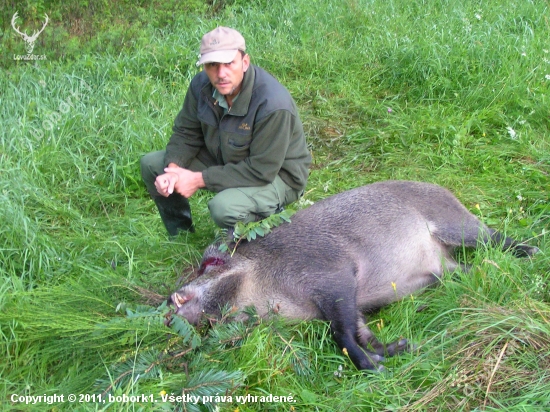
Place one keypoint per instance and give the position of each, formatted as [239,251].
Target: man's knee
[231,206]
[151,165]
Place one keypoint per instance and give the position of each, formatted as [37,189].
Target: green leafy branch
[149,362]
[252,230]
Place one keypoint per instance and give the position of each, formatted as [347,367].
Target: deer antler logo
[30,40]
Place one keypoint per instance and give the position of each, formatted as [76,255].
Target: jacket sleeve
[187,136]
[268,149]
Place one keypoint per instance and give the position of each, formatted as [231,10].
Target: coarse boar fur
[354,251]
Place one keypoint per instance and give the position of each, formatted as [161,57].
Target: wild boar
[351,252]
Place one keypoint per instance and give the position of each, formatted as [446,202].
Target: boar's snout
[186,304]
[176,300]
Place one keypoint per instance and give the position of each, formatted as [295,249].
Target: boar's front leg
[340,309]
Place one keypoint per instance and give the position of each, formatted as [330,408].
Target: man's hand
[165,183]
[183,181]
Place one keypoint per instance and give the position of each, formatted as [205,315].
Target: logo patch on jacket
[244,126]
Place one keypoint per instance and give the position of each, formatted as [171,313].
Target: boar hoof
[399,346]
[380,369]
[525,250]
[374,358]
[375,368]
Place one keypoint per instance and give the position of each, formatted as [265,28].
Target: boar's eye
[209,262]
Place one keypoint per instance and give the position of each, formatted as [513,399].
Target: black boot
[175,213]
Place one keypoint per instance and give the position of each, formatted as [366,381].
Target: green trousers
[244,204]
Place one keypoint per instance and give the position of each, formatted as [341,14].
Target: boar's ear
[213,257]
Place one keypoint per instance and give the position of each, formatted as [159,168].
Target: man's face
[227,78]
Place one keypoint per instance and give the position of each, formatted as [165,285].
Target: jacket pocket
[240,142]
[237,148]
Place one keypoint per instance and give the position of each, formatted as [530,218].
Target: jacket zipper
[213,105]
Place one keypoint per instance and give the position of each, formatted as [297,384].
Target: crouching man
[238,135]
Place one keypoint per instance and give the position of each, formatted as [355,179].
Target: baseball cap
[220,46]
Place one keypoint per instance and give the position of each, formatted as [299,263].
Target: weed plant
[450,92]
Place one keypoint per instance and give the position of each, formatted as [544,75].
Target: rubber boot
[175,213]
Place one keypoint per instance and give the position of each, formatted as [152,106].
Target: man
[238,134]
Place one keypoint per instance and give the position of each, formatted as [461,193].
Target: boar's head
[215,285]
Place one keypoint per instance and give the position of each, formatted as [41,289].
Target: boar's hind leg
[367,339]
[337,310]
[471,233]
[518,249]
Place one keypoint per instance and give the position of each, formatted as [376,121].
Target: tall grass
[450,92]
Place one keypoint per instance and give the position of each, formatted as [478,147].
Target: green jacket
[259,138]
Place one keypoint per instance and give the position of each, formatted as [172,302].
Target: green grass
[85,259]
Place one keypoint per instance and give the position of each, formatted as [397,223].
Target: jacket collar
[240,106]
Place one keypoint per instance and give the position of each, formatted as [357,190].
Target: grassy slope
[79,237]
